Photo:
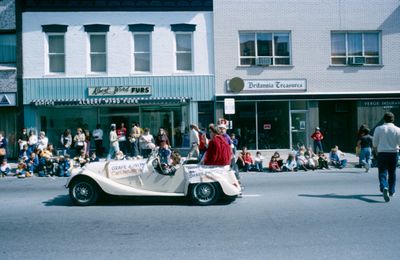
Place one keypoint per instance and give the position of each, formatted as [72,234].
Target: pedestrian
[79,140]
[337,158]
[219,152]
[114,145]
[194,141]
[258,162]
[365,144]
[98,140]
[3,147]
[66,141]
[134,136]
[23,138]
[146,143]
[317,136]
[43,141]
[386,141]
[291,164]
[121,133]
[32,141]
[5,168]
[162,137]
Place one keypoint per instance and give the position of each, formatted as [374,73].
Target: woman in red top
[317,136]
[219,151]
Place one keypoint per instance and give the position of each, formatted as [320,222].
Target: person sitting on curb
[274,164]
[335,156]
[5,168]
[291,164]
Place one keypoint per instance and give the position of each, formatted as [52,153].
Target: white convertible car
[204,185]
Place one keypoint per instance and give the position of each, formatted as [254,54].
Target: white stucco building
[293,65]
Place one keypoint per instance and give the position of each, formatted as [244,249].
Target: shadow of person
[362,197]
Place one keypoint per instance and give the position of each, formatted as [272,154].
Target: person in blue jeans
[386,141]
[65,165]
[365,144]
[336,158]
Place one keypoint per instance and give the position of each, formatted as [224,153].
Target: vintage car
[204,185]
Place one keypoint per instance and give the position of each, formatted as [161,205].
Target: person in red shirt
[317,136]
[121,133]
[219,151]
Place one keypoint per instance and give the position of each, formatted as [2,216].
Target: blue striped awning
[109,101]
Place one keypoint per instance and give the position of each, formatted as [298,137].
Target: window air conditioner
[263,61]
[357,60]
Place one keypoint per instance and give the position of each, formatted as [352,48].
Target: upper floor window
[142,52]
[97,46]
[98,53]
[264,48]
[141,46]
[355,48]
[8,47]
[183,51]
[55,59]
[184,45]
[56,53]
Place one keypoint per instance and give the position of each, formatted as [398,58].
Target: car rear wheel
[84,192]
[204,193]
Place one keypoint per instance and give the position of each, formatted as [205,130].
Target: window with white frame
[264,48]
[98,52]
[355,48]
[183,51]
[56,53]
[142,52]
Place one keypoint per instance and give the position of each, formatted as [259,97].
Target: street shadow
[109,200]
[362,197]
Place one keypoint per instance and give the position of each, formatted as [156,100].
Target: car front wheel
[204,193]
[84,192]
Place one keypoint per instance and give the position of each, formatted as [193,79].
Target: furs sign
[119,91]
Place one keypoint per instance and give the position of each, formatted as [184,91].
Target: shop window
[355,48]
[7,48]
[273,125]
[142,52]
[206,113]
[264,48]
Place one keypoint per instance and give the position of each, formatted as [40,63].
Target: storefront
[152,105]
[266,117]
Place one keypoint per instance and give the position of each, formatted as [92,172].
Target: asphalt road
[315,215]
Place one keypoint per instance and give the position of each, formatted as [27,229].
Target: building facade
[90,62]
[8,74]
[286,67]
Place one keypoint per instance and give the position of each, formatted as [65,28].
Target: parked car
[204,185]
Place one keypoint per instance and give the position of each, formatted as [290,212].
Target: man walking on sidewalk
[386,141]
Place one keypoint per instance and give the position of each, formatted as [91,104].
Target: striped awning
[109,101]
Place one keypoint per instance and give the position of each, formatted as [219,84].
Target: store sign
[274,85]
[229,106]
[8,99]
[380,103]
[119,91]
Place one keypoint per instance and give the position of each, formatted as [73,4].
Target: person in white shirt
[98,140]
[114,145]
[42,141]
[386,141]
[194,141]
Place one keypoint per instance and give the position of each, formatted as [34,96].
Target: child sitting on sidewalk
[5,168]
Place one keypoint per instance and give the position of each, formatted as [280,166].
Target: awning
[109,101]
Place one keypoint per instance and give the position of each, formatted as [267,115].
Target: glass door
[298,128]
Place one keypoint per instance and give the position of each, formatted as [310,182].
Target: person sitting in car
[170,169]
